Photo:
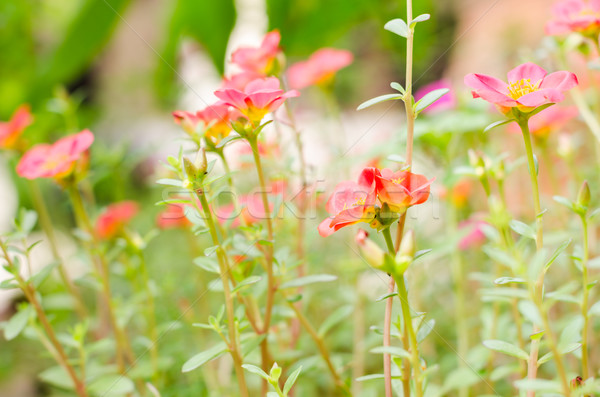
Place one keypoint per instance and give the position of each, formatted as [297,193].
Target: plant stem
[408,99]
[387,325]
[225,270]
[538,290]
[46,223]
[271,287]
[60,356]
[123,348]
[320,345]
[585,370]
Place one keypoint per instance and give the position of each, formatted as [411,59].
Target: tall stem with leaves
[538,288]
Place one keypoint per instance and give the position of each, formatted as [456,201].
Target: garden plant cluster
[498,297]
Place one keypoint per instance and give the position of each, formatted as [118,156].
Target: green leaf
[251,342]
[530,312]
[538,385]
[425,330]
[210,250]
[396,158]
[556,253]
[522,229]
[41,276]
[506,348]
[507,280]
[208,264]
[379,99]
[420,18]
[17,322]
[397,26]
[594,310]
[255,370]
[385,296]
[170,182]
[497,124]
[58,377]
[204,357]
[375,377]
[429,99]
[246,283]
[302,281]
[398,87]
[289,383]
[334,318]
[111,385]
[564,201]
[392,350]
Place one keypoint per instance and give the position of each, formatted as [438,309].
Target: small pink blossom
[475,235]
[11,130]
[528,87]
[446,102]
[319,69]
[114,218]
[239,81]
[258,98]
[259,59]
[57,160]
[575,16]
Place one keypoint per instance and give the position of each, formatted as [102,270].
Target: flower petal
[527,70]
[541,97]
[562,81]
[484,82]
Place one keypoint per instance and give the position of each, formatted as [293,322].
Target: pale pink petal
[325,228]
[541,97]
[562,81]
[232,97]
[483,82]
[527,70]
[270,83]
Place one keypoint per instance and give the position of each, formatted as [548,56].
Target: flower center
[522,87]
[398,181]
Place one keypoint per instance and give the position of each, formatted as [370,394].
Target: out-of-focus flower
[402,189]
[475,235]
[260,97]
[114,218]
[57,160]
[173,217]
[446,102]
[213,122]
[11,130]
[319,69]
[259,59]
[351,203]
[459,193]
[575,16]
[528,87]
[239,81]
[187,120]
[548,120]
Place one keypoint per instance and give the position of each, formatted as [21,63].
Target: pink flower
[57,160]
[173,217]
[114,218]
[475,237]
[11,130]
[548,120]
[529,86]
[260,97]
[214,120]
[189,121]
[402,189]
[319,68]
[575,16]
[351,203]
[259,60]
[240,80]
[446,102]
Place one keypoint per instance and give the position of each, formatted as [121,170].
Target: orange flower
[11,130]
[114,218]
[402,189]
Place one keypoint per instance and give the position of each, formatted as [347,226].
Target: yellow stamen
[522,87]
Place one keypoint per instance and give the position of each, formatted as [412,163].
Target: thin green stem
[585,370]
[46,223]
[538,290]
[387,325]
[225,270]
[60,356]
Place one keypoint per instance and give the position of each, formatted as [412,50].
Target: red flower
[114,218]
[575,16]
[402,189]
[11,130]
[258,98]
[319,68]
[351,203]
[259,60]
[57,160]
[529,86]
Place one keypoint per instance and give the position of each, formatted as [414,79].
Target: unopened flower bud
[201,163]
[369,250]
[584,196]
[275,372]
[406,252]
[190,169]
